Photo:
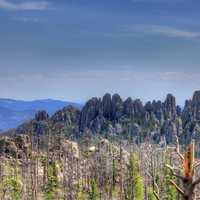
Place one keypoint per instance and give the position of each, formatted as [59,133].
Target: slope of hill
[15,112]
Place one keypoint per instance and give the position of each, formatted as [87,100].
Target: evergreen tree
[171,193]
[52,183]
[13,186]
[94,193]
[150,194]
[135,185]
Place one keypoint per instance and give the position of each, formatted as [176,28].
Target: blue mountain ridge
[15,112]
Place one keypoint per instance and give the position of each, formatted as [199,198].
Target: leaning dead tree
[186,173]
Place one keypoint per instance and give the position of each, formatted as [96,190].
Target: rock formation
[113,116]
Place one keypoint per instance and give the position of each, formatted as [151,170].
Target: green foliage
[171,193]
[150,194]
[81,196]
[51,187]
[135,187]
[114,172]
[94,193]
[139,188]
[13,186]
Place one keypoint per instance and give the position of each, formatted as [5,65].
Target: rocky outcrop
[191,111]
[187,115]
[16,146]
[113,116]
[196,106]
[91,111]
[42,116]
[128,108]
[158,110]
[109,115]
[68,115]
[117,107]
[138,108]
[169,130]
[107,106]
[170,107]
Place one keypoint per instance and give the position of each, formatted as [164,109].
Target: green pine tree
[94,193]
[150,194]
[171,193]
[135,190]
[50,190]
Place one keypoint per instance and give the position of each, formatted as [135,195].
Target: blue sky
[75,49]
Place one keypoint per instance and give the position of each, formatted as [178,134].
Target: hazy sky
[75,49]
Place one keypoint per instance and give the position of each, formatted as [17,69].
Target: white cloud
[161,30]
[24,5]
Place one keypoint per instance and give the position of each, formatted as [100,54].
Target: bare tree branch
[196,164]
[156,195]
[175,174]
[196,182]
[178,149]
[177,187]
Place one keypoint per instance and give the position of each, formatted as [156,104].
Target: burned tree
[186,173]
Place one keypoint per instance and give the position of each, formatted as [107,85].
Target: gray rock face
[191,111]
[128,108]
[91,110]
[178,111]
[117,107]
[107,106]
[14,146]
[118,128]
[112,115]
[158,110]
[191,118]
[196,106]
[170,107]
[136,129]
[149,107]
[41,116]
[169,129]
[68,115]
[138,108]
[179,126]
[153,112]
[39,126]
[97,124]
[187,115]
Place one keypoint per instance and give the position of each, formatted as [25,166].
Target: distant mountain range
[15,112]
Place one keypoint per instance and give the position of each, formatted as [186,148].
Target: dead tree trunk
[187,172]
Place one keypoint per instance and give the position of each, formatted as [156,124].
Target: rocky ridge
[111,115]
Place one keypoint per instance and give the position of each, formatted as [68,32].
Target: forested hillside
[110,150]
